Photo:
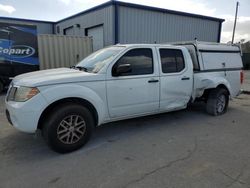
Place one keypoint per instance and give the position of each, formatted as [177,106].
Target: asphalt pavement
[186,148]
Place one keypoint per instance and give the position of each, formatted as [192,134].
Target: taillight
[241,76]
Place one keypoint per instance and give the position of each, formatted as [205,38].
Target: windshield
[94,62]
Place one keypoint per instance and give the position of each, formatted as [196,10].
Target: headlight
[23,94]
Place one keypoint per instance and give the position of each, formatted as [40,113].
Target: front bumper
[24,116]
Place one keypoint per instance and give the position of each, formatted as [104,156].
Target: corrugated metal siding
[42,28]
[62,51]
[144,26]
[103,16]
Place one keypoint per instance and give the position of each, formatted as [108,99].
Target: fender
[62,91]
[204,82]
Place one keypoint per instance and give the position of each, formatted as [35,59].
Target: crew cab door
[176,77]
[135,90]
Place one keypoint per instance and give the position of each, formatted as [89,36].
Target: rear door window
[172,60]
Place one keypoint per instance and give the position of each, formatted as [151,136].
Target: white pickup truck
[121,82]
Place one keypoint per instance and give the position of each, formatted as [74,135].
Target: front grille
[11,94]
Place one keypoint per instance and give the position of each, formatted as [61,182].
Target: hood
[54,76]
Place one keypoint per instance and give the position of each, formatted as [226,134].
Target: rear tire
[217,101]
[68,128]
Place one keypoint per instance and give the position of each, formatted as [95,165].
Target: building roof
[125,4]
[26,20]
[142,7]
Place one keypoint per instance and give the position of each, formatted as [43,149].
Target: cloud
[7,8]
[81,2]
[242,30]
[66,2]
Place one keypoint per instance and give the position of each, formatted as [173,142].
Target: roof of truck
[149,45]
[200,45]
[211,46]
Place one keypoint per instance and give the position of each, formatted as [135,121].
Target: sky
[54,10]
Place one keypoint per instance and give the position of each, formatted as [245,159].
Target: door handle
[153,81]
[185,78]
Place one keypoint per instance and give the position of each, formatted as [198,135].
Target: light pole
[235,20]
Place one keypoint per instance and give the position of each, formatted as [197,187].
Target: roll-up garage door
[97,34]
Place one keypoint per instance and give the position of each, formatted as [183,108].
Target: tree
[245,47]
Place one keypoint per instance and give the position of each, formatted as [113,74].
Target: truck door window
[171,60]
[140,60]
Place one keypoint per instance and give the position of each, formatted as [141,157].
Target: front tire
[68,128]
[217,101]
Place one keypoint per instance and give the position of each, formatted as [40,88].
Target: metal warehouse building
[119,22]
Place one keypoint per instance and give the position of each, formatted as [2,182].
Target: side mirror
[121,69]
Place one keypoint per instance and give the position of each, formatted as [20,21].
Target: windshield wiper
[80,68]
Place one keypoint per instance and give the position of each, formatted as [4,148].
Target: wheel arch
[63,101]
[208,90]
[223,86]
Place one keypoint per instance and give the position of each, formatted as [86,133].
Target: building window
[171,60]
